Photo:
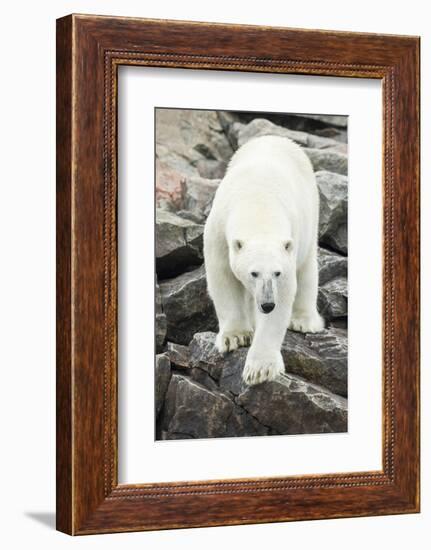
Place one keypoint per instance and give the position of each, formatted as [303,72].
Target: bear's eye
[254,274]
[277,273]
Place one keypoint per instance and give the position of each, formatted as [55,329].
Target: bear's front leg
[229,298]
[264,361]
[262,368]
[235,329]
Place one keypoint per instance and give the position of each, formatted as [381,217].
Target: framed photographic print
[237,274]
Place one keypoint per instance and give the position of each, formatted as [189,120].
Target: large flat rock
[292,406]
[319,358]
[194,411]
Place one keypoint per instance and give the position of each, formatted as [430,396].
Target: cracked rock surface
[198,392]
[207,397]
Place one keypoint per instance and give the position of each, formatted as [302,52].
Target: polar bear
[260,249]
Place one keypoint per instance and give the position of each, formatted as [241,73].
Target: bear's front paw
[230,341]
[307,323]
[261,369]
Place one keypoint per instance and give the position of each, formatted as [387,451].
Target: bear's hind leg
[305,317]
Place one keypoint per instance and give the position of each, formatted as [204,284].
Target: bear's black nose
[268,307]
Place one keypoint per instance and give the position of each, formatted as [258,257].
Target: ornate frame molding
[89,498]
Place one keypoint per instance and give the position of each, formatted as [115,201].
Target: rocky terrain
[200,393]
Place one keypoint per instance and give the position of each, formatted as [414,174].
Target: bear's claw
[309,323]
[230,341]
[261,370]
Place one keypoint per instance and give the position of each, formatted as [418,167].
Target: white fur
[264,220]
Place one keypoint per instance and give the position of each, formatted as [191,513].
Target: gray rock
[179,355]
[333,190]
[187,306]
[320,358]
[189,216]
[340,322]
[320,125]
[162,379]
[198,196]
[170,155]
[337,239]
[225,369]
[332,298]
[328,159]
[186,136]
[333,286]
[231,376]
[242,424]
[179,244]
[227,120]
[168,187]
[212,400]
[293,406]
[192,409]
[203,354]
[202,377]
[262,127]
[331,265]
[161,322]
[332,132]
[211,169]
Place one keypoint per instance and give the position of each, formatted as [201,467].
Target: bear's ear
[238,244]
[287,244]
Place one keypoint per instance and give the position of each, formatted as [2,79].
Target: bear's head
[264,267]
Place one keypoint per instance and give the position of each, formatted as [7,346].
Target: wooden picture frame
[89,52]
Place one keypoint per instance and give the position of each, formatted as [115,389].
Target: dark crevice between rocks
[215,380]
[329,248]
[183,371]
[168,269]
[238,411]
[340,322]
[205,151]
[158,427]
[187,372]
